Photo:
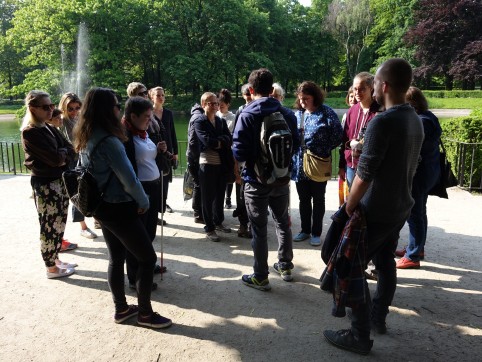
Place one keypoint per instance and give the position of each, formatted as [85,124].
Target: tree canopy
[192,46]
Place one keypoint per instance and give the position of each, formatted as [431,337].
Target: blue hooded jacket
[246,142]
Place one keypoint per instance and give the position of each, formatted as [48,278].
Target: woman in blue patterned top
[321,131]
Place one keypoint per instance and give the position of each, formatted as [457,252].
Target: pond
[10,129]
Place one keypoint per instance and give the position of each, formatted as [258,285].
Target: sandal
[60,273]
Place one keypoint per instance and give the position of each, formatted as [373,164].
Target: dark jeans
[213,184]
[382,242]
[149,219]
[241,205]
[163,198]
[129,235]
[196,192]
[77,216]
[258,197]
[229,191]
[311,215]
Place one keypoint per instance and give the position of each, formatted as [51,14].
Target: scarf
[136,132]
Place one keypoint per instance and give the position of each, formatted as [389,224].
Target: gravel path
[436,314]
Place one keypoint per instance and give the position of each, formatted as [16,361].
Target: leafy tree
[349,22]
[392,18]
[446,33]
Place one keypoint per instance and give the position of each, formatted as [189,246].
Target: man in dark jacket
[383,184]
[246,149]
[192,155]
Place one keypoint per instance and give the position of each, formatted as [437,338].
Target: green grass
[9,109]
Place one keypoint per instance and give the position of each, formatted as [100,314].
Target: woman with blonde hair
[99,137]
[47,156]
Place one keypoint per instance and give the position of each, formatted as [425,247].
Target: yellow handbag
[316,168]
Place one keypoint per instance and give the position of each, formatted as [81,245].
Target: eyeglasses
[213,104]
[46,107]
[70,109]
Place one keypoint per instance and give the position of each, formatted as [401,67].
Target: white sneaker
[87,233]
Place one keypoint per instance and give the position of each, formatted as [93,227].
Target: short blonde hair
[278,91]
[133,88]
[205,96]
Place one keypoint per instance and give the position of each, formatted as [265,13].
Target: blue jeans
[417,222]
[258,197]
[350,175]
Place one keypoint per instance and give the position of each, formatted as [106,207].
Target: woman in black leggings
[98,139]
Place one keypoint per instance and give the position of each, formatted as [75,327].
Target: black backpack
[273,166]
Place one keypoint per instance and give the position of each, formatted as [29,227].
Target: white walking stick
[162,224]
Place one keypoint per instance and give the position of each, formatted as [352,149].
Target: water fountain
[77,80]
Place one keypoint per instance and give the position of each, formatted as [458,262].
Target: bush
[463,142]
[452,94]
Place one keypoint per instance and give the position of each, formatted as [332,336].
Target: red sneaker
[405,263]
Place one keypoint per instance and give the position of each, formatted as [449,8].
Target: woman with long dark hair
[47,155]
[124,200]
[428,172]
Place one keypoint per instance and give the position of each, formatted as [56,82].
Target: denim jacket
[110,156]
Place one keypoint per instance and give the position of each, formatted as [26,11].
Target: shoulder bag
[316,168]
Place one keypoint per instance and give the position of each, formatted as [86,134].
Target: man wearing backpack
[259,192]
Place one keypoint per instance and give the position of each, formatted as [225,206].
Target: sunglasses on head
[46,107]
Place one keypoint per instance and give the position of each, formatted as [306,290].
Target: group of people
[130,158]
[382,148]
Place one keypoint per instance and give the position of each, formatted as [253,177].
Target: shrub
[463,142]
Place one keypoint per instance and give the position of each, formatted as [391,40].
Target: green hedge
[464,130]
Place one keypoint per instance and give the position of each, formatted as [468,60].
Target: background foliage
[191,46]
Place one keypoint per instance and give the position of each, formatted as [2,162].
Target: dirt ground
[436,314]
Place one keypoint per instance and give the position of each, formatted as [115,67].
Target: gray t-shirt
[389,160]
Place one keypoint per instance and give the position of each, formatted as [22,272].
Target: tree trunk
[449,82]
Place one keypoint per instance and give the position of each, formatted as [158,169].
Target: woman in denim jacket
[321,131]
[123,201]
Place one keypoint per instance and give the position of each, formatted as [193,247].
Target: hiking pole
[162,224]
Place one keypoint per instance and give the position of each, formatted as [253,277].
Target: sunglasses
[46,107]
[213,104]
[142,93]
[70,109]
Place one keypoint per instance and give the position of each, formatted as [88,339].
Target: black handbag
[82,189]
[447,178]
